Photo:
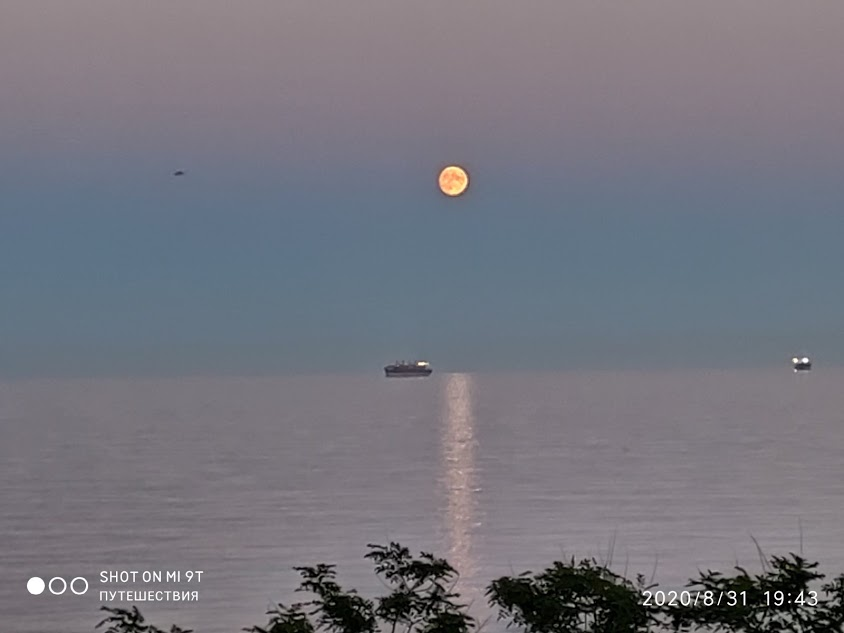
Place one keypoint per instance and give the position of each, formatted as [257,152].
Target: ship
[801,364]
[404,369]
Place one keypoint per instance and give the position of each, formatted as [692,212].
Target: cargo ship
[801,364]
[404,369]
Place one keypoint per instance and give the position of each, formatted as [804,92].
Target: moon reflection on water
[459,479]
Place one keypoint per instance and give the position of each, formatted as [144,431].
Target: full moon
[453,181]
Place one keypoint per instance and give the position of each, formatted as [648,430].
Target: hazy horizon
[648,357]
[653,183]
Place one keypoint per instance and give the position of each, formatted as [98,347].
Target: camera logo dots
[57,586]
[35,586]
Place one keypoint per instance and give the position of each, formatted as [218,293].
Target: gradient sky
[647,176]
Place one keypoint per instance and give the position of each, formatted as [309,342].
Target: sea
[663,474]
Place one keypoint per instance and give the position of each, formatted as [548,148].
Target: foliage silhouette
[784,597]
[571,596]
[131,621]
[421,599]
[567,597]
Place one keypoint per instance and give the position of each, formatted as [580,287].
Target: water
[243,478]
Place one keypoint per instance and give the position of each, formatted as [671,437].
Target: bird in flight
[179,173]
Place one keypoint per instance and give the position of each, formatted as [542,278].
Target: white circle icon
[35,585]
[52,590]
[73,589]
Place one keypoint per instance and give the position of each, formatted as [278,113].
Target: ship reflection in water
[459,480]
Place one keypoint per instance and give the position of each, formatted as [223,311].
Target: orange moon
[453,181]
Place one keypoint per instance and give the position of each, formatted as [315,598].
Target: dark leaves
[571,596]
[131,621]
[567,597]
[779,599]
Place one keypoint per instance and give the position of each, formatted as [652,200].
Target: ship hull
[406,373]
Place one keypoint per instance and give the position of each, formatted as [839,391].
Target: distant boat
[801,364]
[404,369]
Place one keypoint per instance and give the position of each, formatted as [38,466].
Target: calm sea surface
[244,478]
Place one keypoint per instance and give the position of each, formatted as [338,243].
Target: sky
[652,183]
